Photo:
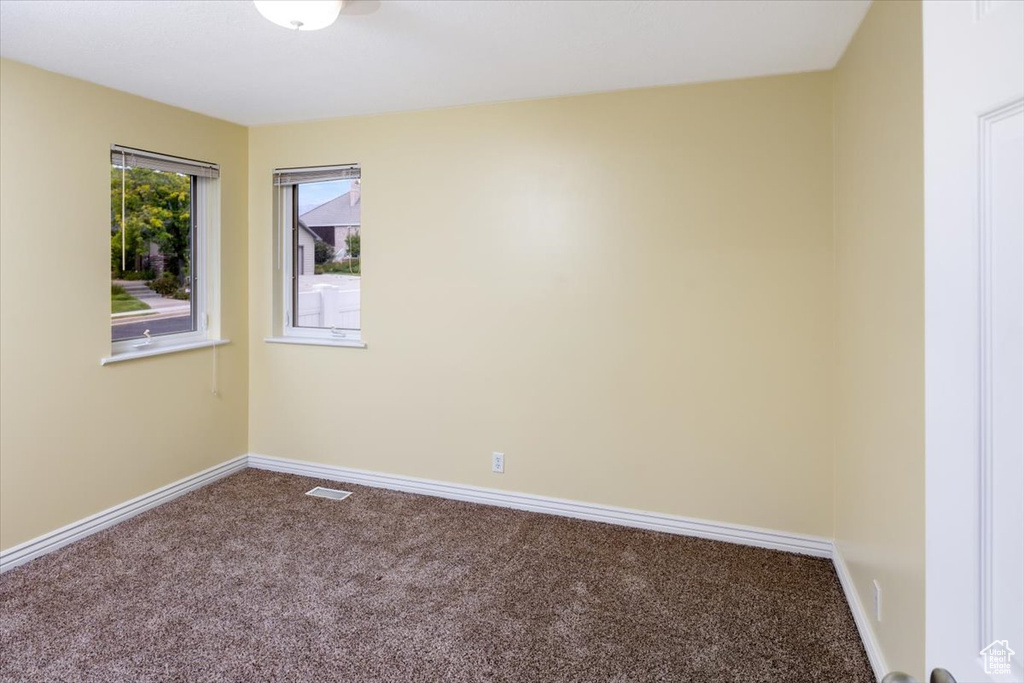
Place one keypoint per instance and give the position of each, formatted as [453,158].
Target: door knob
[938,676]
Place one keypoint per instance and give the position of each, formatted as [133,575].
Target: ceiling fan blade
[360,7]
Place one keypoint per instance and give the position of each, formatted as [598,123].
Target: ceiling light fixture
[301,15]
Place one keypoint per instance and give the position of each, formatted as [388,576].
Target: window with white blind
[164,215]
[318,226]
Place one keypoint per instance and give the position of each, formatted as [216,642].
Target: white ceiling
[223,59]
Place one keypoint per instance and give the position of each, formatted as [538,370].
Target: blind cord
[124,258]
[213,385]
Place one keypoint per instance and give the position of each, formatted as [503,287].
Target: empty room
[691,346]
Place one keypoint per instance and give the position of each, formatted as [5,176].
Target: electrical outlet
[878,599]
[497,462]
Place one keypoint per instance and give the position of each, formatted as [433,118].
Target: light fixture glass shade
[303,15]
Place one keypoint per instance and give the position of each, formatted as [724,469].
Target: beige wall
[629,294]
[879,517]
[75,437]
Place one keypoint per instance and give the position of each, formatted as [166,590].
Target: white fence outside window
[330,306]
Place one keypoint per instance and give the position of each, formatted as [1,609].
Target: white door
[974,335]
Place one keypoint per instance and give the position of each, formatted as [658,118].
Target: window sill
[161,350]
[317,341]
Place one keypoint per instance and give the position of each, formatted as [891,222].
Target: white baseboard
[860,616]
[47,543]
[719,531]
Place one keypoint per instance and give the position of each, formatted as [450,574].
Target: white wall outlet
[497,462]
[878,599]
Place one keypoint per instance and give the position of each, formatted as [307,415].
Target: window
[319,222]
[162,262]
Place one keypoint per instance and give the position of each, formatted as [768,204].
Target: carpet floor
[250,580]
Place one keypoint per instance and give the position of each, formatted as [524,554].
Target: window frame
[204,261]
[286,229]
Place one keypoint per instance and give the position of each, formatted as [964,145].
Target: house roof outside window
[341,211]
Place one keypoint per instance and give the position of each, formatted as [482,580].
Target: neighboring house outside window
[307,250]
[335,220]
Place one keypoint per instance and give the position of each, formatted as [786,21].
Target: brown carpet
[250,580]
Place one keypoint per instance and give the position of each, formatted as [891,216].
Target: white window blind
[315,174]
[137,158]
